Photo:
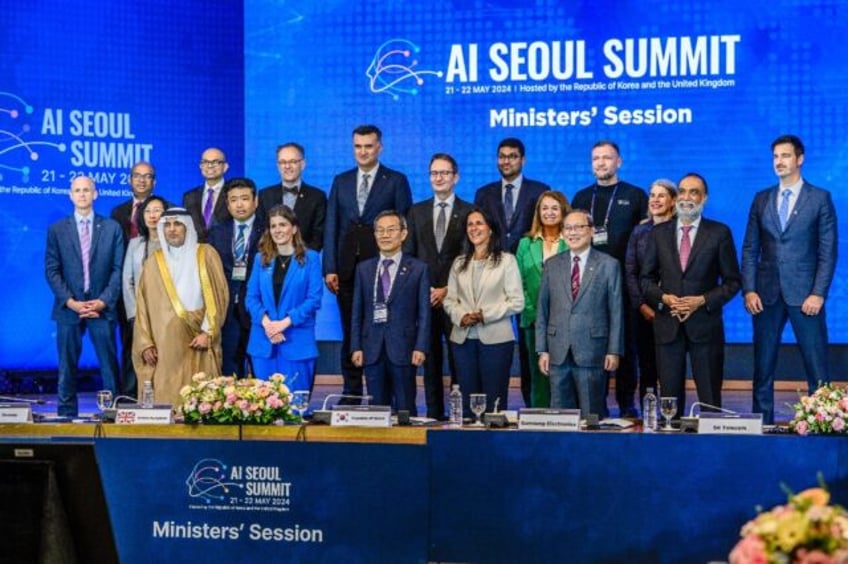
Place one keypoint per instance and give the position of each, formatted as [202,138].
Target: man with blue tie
[356,198]
[788,261]
[390,327]
[236,241]
[511,201]
[83,268]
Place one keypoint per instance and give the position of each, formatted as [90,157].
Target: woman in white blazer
[484,292]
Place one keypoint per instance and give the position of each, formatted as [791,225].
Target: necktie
[85,245]
[509,205]
[207,209]
[685,246]
[240,243]
[575,278]
[362,194]
[134,221]
[441,226]
[386,279]
[783,212]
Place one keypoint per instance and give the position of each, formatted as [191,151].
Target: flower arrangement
[226,400]
[825,411]
[805,530]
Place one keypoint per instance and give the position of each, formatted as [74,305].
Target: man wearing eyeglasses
[579,333]
[436,233]
[204,202]
[511,201]
[357,196]
[308,202]
[390,326]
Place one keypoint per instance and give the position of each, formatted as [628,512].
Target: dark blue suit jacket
[299,299]
[408,326]
[221,237]
[798,261]
[349,235]
[63,266]
[489,197]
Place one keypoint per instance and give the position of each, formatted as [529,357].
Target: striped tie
[85,245]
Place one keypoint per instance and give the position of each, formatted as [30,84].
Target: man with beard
[690,272]
[616,208]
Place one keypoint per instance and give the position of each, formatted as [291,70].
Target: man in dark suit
[307,202]
[142,182]
[578,324]
[511,201]
[436,232]
[788,261]
[83,268]
[616,207]
[356,198]
[390,327]
[237,240]
[204,202]
[690,272]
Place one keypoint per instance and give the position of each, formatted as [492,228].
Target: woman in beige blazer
[484,292]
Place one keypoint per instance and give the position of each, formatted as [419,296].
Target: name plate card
[136,415]
[362,416]
[541,419]
[15,413]
[729,424]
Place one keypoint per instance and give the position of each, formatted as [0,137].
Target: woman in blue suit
[283,293]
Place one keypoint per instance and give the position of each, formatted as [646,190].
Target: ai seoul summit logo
[214,485]
[393,69]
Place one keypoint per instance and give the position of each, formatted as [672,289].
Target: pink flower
[242,404]
[205,408]
[819,416]
[750,550]
[838,424]
[801,427]
[802,556]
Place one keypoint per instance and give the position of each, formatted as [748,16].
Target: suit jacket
[221,237]
[489,198]
[408,326]
[310,209]
[590,326]
[300,299]
[531,265]
[349,235]
[798,261]
[499,296]
[193,202]
[628,209]
[421,238]
[63,266]
[712,271]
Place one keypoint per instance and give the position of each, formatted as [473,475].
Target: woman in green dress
[543,241]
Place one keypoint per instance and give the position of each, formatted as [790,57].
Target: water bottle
[455,406]
[649,412]
[147,394]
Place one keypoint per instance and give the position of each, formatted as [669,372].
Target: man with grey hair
[182,301]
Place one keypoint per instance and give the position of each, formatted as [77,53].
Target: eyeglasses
[574,228]
[291,162]
[508,157]
[441,173]
[387,230]
[216,162]
[142,176]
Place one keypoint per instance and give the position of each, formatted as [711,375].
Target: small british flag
[125,417]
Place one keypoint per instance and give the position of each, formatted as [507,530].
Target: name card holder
[361,416]
[542,419]
[730,424]
[160,414]
[15,413]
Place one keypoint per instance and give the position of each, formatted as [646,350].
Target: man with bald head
[181,306]
[205,202]
[83,268]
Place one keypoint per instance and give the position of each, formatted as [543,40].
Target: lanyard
[609,204]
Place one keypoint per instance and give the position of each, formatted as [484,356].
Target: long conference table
[419,494]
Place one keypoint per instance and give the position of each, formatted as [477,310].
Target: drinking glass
[668,407]
[477,403]
[299,402]
[104,400]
